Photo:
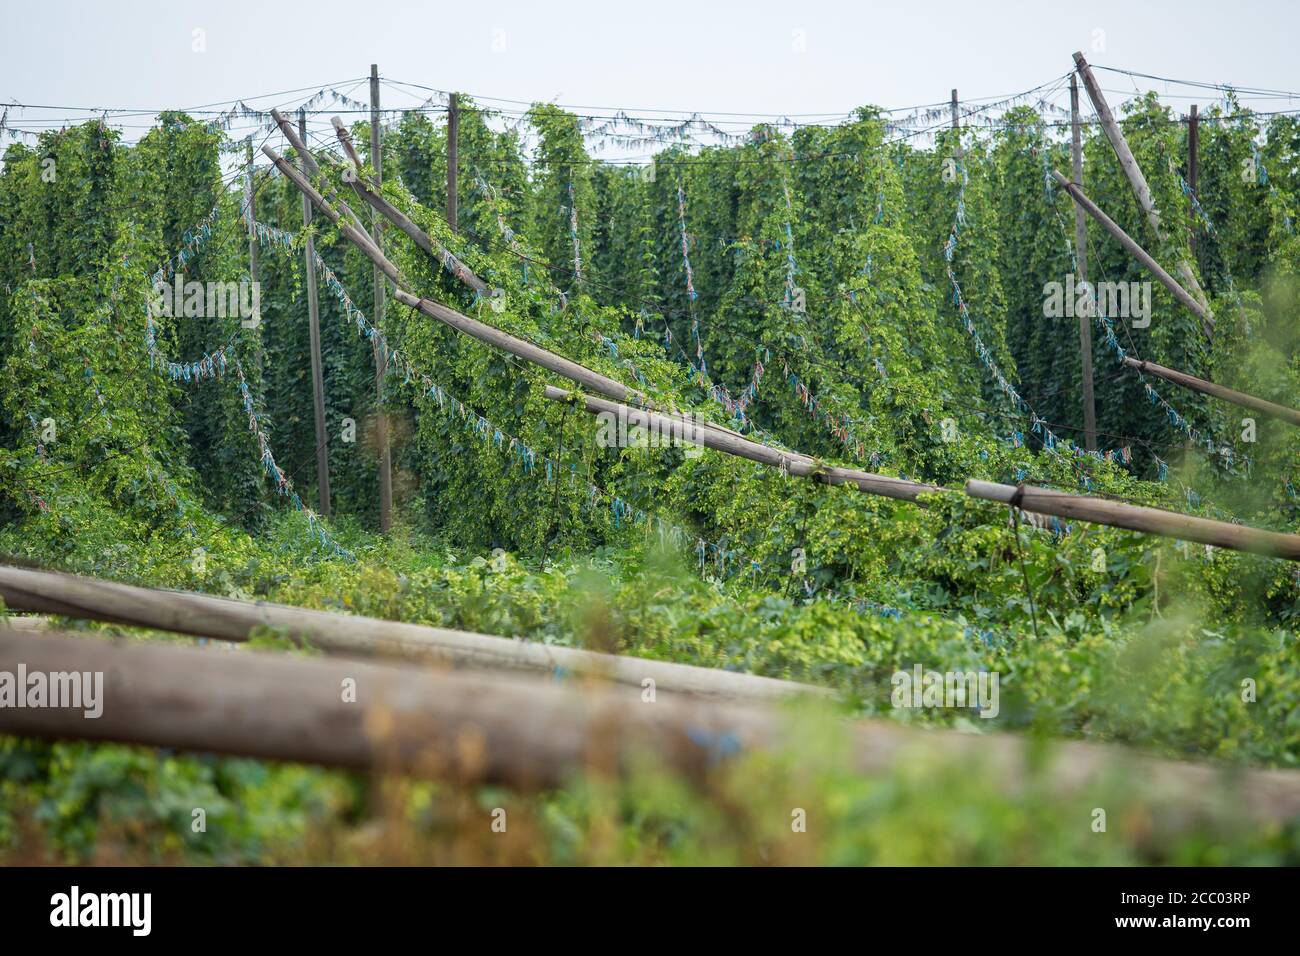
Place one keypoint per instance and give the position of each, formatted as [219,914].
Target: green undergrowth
[1167,684]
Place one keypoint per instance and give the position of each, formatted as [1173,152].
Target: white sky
[647,57]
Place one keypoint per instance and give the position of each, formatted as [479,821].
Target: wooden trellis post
[381,360]
[956,123]
[252,238]
[1193,165]
[453,161]
[1081,260]
[313,320]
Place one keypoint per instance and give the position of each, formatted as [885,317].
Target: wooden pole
[1193,166]
[956,124]
[1139,183]
[371,716]
[313,320]
[530,733]
[1272,409]
[203,615]
[446,258]
[1081,258]
[1118,514]
[453,161]
[1134,249]
[252,244]
[381,359]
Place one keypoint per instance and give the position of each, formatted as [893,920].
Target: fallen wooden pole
[1140,254]
[1034,501]
[790,462]
[531,733]
[203,615]
[1139,183]
[1118,514]
[1262,405]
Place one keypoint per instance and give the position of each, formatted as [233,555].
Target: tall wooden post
[956,122]
[1193,163]
[313,325]
[252,214]
[252,243]
[1081,259]
[381,359]
[453,161]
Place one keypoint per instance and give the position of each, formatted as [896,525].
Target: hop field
[986,467]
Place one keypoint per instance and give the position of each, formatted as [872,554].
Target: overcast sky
[763,57]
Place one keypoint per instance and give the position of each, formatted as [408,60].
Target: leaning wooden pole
[1173,375]
[457,268]
[1118,514]
[1272,409]
[450,317]
[1127,241]
[531,734]
[463,323]
[1138,181]
[313,333]
[312,168]
[404,222]
[205,615]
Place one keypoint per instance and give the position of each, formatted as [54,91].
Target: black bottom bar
[302,905]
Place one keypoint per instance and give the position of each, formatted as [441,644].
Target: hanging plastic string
[791,288]
[214,366]
[573,231]
[691,294]
[281,482]
[1038,426]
